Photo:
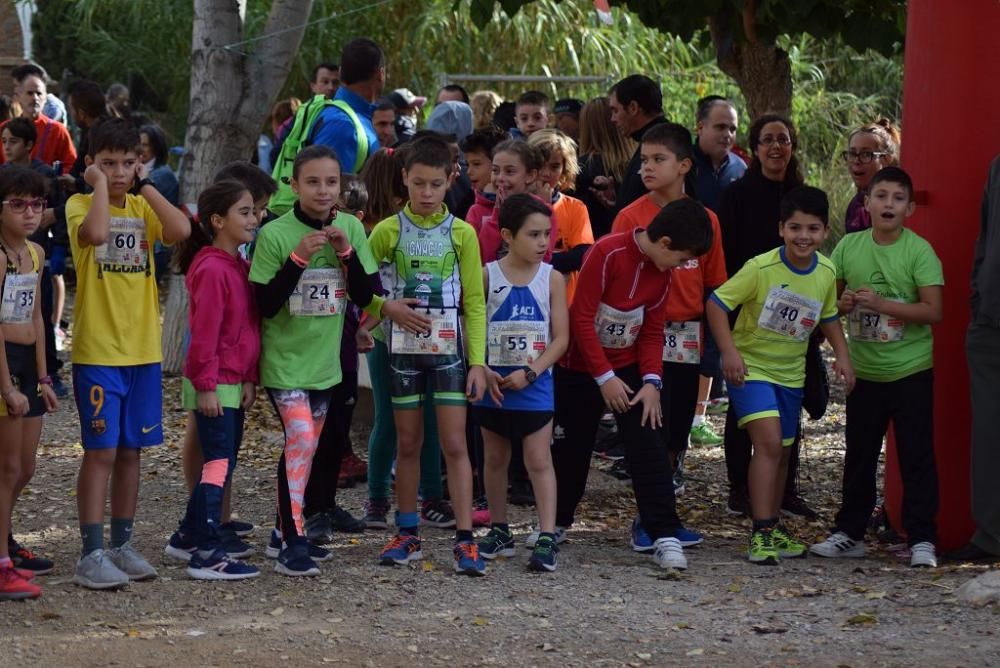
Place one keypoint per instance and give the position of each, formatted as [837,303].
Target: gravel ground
[606,605]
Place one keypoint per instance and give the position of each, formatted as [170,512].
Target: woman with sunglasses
[869,148]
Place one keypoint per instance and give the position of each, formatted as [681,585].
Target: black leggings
[334,444]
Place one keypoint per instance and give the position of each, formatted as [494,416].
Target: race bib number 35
[18,299]
[682,342]
[789,314]
[319,292]
[126,246]
[618,329]
[864,325]
[442,339]
[516,343]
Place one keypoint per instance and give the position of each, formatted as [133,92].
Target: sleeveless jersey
[17,304]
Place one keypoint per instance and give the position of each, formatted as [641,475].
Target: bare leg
[410,434]
[451,434]
[765,434]
[496,450]
[538,461]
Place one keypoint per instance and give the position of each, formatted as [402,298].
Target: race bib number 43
[126,246]
[18,299]
[442,339]
[319,292]
[789,314]
[516,342]
[618,329]
[682,342]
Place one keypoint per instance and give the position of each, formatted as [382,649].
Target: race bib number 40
[789,314]
[442,339]
[18,299]
[618,329]
[682,342]
[319,292]
[516,342]
[864,325]
[126,246]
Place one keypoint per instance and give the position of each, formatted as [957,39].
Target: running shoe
[234,547]
[319,528]
[718,406]
[678,480]
[468,560]
[97,571]
[377,513]
[619,470]
[274,545]
[703,434]
[786,545]
[129,561]
[344,522]
[27,560]
[14,587]
[922,555]
[238,527]
[739,502]
[642,542]
[294,559]
[355,467]
[668,553]
[839,546]
[180,547]
[543,556]
[761,549]
[480,513]
[497,543]
[437,513]
[219,566]
[532,538]
[402,549]
[794,505]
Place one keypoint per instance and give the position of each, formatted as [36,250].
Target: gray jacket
[986,261]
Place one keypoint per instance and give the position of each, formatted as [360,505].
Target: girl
[25,387]
[528,331]
[220,372]
[516,165]
[869,148]
[383,179]
[604,154]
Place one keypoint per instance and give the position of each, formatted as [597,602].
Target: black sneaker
[27,560]
[620,470]
[344,522]
[319,529]
[521,493]
[794,505]
[739,502]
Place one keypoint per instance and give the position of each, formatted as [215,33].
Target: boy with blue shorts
[782,295]
[116,350]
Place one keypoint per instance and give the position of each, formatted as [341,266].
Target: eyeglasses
[780,140]
[18,205]
[864,157]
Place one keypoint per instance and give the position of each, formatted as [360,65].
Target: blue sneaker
[234,547]
[219,566]
[275,546]
[179,547]
[543,556]
[239,528]
[317,553]
[468,561]
[641,541]
[688,538]
[294,559]
[402,549]
[497,543]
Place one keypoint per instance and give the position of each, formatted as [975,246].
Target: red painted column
[951,99]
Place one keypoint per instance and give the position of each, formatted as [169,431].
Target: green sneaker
[703,434]
[497,543]
[762,550]
[787,547]
[718,406]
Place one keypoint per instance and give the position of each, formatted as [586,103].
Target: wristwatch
[530,374]
[143,182]
[655,382]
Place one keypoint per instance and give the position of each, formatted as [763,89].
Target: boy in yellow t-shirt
[116,348]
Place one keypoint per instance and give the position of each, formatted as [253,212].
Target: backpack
[303,128]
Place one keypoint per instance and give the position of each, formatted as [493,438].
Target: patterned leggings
[302,414]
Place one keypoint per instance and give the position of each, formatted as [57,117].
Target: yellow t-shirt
[116,319]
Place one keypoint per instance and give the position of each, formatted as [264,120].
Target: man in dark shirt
[636,105]
[715,165]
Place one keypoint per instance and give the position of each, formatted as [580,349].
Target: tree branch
[269,64]
[749,16]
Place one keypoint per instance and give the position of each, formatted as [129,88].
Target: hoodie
[491,244]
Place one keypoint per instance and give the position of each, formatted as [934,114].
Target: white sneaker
[130,562]
[839,546]
[923,555]
[668,553]
[532,538]
[96,571]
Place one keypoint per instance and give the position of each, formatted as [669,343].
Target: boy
[116,350]
[890,284]
[666,160]
[614,363]
[531,113]
[567,112]
[434,257]
[783,293]
[478,150]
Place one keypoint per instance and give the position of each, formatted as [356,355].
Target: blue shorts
[57,260]
[757,399]
[119,406]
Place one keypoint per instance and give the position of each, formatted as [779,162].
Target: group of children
[517,313]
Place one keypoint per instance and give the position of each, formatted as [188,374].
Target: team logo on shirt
[98,426]
[517,311]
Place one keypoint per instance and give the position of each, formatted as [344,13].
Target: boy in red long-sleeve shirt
[615,361]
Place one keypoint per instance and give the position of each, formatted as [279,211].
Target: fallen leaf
[764,630]
[872,595]
[645,656]
[863,618]
[276,612]
[479,621]
[427,566]
[695,652]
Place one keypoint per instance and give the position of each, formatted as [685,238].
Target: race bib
[442,339]
[18,303]
[789,314]
[126,245]
[516,342]
[864,325]
[618,329]
[319,292]
[682,342]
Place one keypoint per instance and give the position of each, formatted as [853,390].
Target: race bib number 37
[319,292]
[126,246]
[789,314]
[442,339]
[864,325]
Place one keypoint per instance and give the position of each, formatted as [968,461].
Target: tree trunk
[233,87]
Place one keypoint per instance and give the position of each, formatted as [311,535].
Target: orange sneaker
[13,587]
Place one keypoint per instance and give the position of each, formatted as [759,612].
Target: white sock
[697,421]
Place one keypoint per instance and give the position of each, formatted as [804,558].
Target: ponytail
[216,200]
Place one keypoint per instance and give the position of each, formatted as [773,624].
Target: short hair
[314,152]
[18,180]
[528,154]
[503,117]
[256,180]
[516,209]
[385,104]
[674,137]
[353,193]
[687,224]
[455,88]
[333,67]
[707,103]
[639,89]
[360,60]
[891,174]
[808,200]
[157,142]
[113,134]
[22,128]
[548,141]
[483,140]
[429,150]
[88,97]
[533,97]
[22,72]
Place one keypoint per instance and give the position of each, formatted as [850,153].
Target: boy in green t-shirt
[782,294]
[890,284]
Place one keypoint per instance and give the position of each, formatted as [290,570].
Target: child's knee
[408,448]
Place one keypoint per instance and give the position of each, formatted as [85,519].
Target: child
[220,372]
[558,173]
[615,361]
[528,331]
[478,151]
[433,257]
[783,294]
[116,349]
[25,387]
[869,149]
[890,284]
[666,160]
[531,113]
[305,265]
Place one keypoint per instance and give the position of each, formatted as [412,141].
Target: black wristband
[143,182]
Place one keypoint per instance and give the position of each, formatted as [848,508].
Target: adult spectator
[503,117]
[604,154]
[484,104]
[408,108]
[982,347]
[120,100]
[7,108]
[452,93]
[54,143]
[88,107]
[53,107]
[715,165]
[325,79]
[384,122]
[636,104]
[869,148]
[567,111]
[154,149]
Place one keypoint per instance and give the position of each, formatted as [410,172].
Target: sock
[764,525]
[546,534]
[92,536]
[502,526]
[464,536]
[121,530]
[10,539]
[5,562]
[408,523]
[697,421]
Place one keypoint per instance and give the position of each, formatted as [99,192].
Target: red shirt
[53,143]
[490,241]
[618,274]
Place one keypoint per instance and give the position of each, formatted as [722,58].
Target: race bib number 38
[18,299]
[618,329]
[319,292]
[789,314]
[442,339]
[126,246]
[516,342]
[682,342]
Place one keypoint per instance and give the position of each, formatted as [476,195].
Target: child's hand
[49,397]
[475,384]
[141,171]
[847,301]
[544,190]
[845,370]
[493,383]
[399,311]
[649,397]
[17,403]
[869,299]
[734,369]
[337,239]
[616,395]
[604,190]
[208,404]
[93,175]
[309,244]
[517,380]
[363,339]
[248,396]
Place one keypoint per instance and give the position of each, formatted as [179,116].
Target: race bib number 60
[126,245]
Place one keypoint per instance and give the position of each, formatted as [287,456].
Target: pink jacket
[480,211]
[222,315]
[490,241]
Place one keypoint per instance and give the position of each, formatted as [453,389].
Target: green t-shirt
[895,272]
[229,395]
[303,351]
[781,305]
